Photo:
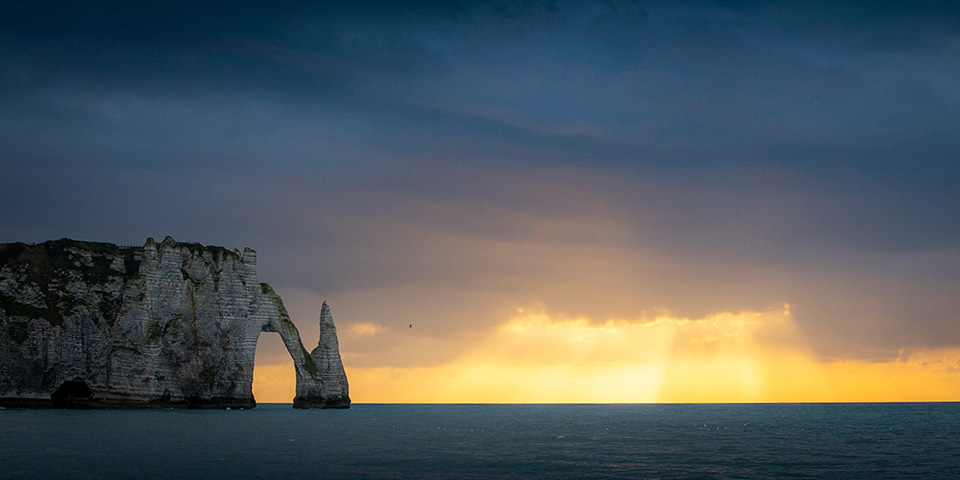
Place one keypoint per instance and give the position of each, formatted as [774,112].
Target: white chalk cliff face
[168,324]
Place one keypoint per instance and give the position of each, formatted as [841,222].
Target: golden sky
[534,357]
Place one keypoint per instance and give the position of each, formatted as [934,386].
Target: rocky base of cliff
[123,404]
[316,401]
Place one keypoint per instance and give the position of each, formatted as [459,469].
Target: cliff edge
[169,324]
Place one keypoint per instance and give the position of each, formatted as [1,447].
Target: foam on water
[487,441]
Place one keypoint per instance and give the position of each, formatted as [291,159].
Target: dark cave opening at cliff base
[274,377]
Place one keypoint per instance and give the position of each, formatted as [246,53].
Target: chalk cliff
[169,324]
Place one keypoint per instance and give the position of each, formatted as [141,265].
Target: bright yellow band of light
[727,357]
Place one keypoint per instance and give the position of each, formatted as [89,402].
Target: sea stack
[169,324]
[331,390]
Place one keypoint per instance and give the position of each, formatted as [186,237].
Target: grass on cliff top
[215,250]
[48,257]
[43,264]
[51,249]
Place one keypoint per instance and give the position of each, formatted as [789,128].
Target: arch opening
[274,376]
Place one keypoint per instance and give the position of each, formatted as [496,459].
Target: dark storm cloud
[745,153]
[678,79]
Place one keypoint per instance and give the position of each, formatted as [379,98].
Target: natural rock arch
[321,381]
[165,324]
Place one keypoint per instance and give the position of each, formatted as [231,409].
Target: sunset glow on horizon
[729,357]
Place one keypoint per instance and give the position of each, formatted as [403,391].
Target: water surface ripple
[848,441]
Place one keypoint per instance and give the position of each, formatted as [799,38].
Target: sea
[703,441]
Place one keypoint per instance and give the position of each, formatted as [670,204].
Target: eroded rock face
[168,324]
[331,391]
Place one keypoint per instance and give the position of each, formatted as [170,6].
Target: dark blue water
[918,440]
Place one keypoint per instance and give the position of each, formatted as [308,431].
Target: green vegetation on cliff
[19,332]
[46,266]
[13,308]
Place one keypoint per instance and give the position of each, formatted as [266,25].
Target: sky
[510,201]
